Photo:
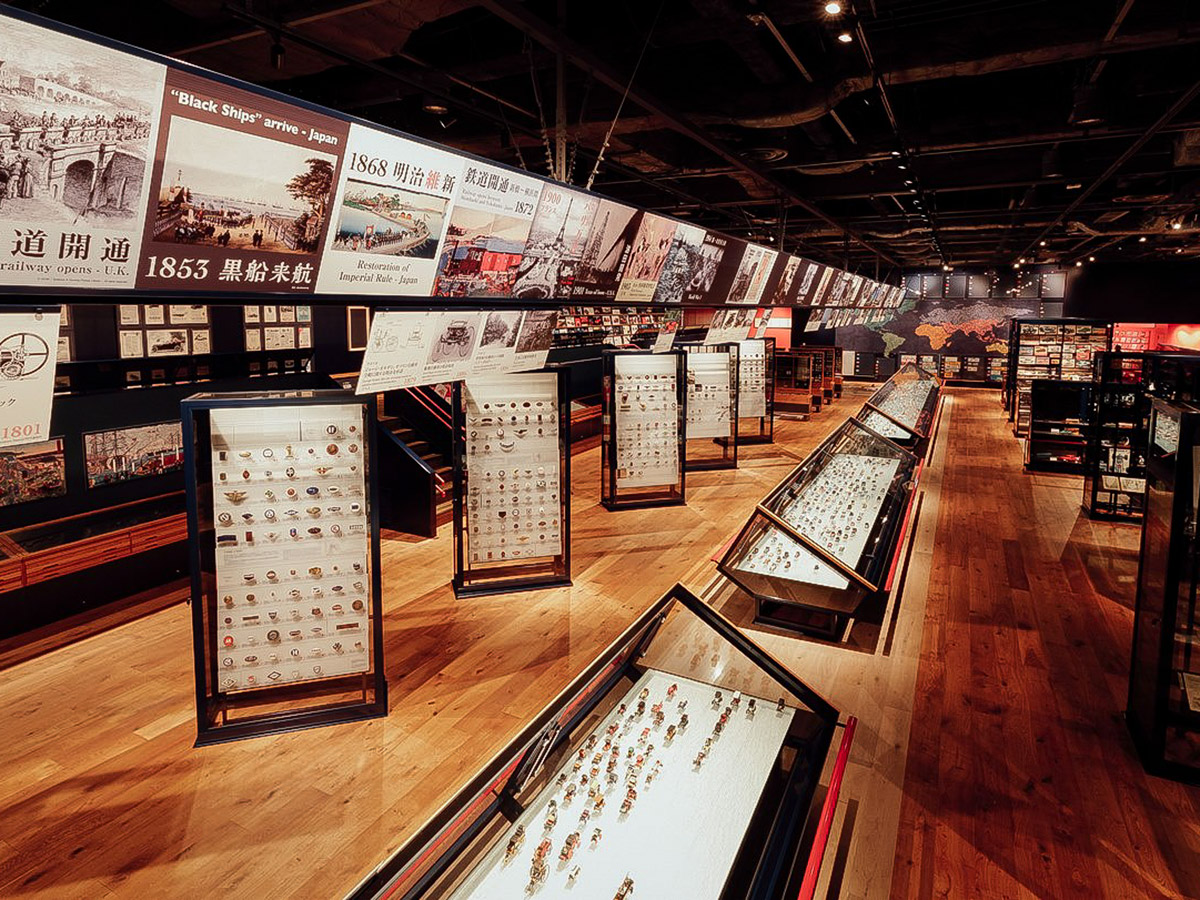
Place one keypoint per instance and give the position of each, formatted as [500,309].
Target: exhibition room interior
[684,450]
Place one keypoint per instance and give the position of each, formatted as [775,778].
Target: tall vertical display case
[1114,484]
[1060,426]
[756,391]
[643,409]
[1163,710]
[711,424]
[284,545]
[1056,349]
[512,483]
[683,762]
[793,382]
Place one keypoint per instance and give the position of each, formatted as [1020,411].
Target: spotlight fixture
[1178,249]
[833,8]
[435,108]
[1078,263]
[1091,259]
[1041,243]
[1175,226]
[895,153]
[1021,260]
[1142,239]
[845,37]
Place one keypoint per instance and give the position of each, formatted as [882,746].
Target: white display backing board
[647,420]
[28,359]
[752,379]
[708,389]
[682,835]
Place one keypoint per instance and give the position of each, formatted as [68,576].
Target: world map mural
[951,327]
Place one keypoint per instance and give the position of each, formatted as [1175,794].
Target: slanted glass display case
[681,763]
[904,407]
[512,478]
[284,546]
[827,535]
[1163,711]
[641,442]
[711,424]
[756,391]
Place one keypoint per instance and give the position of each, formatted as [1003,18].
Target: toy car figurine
[750,707]
[682,704]
[683,721]
[543,849]
[537,872]
[671,691]
[552,816]
[625,889]
[574,874]
[670,732]
[779,707]
[644,694]
[641,707]
[514,843]
[596,835]
[568,849]
[737,698]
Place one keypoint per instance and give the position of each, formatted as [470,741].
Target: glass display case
[512,477]
[284,545]
[831,527]
[682,762]
[793,382]
[1057,349]
[1060,426]
[711,406]
[641,441]
[756,391]
[1163,710]
[1114,484]
[904,407]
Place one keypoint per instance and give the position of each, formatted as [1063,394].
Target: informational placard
[665,339]
[78,124]
[646,258]
[407,349]
[729,325]
[389,215]
[489,225]
[556,243]
[28,357]
[241,191]
[785,287]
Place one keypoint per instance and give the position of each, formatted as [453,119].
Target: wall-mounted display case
[711,425]
[756,391]
[832,526]
[904,407]
[1114,484]
[1163,711]
[1060,426]
[641,441]
[284,547]
[681,763]
[512,481]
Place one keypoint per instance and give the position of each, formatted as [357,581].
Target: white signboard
[389,216]
[28,342]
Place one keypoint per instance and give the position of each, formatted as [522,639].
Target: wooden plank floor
[102,794]
[990,752]
[1021,779]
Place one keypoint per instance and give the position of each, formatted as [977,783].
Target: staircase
[442,468]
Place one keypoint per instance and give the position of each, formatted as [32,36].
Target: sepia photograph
[557,240]
[537,330]
[501,329]
[225,188]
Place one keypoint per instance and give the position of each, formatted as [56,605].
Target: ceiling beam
[523,19]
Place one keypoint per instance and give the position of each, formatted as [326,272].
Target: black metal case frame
[224,713]
[761,429]
[613,496]
[725,455]
[499,576]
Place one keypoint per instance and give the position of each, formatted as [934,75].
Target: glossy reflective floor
[990,751]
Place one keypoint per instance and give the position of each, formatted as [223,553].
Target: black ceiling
[1073,122]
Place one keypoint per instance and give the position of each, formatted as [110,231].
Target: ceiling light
[1041,243]
[1074,186]
[901,166]
[435,108]
[277,53]
[1016,265]
[895,153]
[845,37]
[1178,249]
[1175,226]
[1091,259]
[1078,263]
[1021,260]
[1142,239]
[833,8]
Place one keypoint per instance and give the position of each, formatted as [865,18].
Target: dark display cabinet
[512,482]
[756,391]
[1163,711]
[683,762]
[284,546]
[793,382]
[827,534]
[642,438]
[1060,426]
[1049,349]
[904,407]
[711,407]
[1114,484]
